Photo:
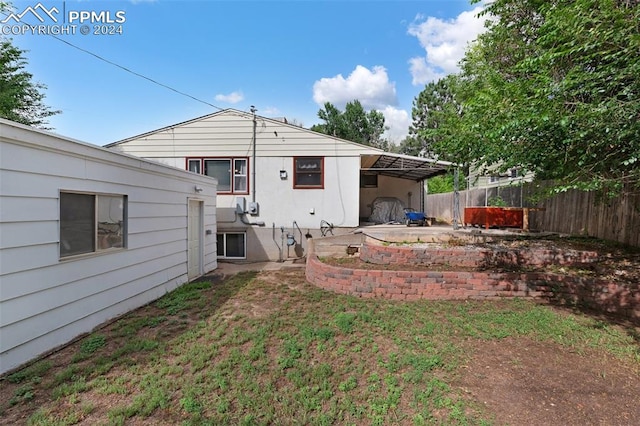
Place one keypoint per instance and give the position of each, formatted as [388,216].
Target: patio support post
[456,198]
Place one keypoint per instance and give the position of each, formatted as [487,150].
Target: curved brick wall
[412,285]
[471,256]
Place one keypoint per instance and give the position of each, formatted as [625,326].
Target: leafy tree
[554,87]
[21,99]
[410,145]
[438,130]
[354,124]
[444,183]
[333,121]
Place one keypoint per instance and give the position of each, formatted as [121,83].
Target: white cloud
[444,42]
[398,121]
[371,87]
[374,91]
[231,98]
[270,111]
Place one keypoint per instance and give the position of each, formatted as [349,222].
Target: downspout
[273,235]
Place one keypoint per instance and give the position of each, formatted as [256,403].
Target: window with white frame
[308,172]
[240,175]
[91,223]
[232,245]
[231,173]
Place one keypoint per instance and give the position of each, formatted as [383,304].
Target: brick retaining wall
[472,256]
[594,293]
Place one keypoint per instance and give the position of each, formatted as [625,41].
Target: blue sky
[285,57]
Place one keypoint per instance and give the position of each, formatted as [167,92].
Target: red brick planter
[469,256]
[413,285]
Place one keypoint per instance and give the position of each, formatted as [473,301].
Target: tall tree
[434,109]
[21,99]
[565,90]
[552,87]
[354,124]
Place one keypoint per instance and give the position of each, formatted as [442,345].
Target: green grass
[252,351]
[183,298]
[35,370]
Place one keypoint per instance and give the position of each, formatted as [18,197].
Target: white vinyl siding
[229,133]
[47,301]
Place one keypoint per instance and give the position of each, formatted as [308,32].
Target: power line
[137,74]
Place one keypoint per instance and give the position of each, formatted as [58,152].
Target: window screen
[91,222]
[221,170]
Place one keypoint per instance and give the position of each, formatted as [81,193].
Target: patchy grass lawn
[270,348]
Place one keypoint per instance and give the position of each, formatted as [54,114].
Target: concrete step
[338,245]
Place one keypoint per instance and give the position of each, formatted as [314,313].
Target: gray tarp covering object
[387,209]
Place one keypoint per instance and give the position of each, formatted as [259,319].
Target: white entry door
[195,233]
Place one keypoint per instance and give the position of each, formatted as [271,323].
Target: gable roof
[247,115]
[373,160]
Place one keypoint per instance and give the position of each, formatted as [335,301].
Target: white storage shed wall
[46,300]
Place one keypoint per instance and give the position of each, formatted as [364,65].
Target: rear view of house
[279,183]
[87,234]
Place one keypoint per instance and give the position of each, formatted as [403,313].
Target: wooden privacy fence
[572,212]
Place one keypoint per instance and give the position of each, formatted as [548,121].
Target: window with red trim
[232,173]
[308,172]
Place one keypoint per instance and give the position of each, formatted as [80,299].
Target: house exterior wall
[47,300]
[491,179]
[229,134]
[281,205]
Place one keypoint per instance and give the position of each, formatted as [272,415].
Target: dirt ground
[523,382]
